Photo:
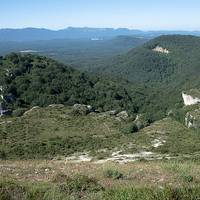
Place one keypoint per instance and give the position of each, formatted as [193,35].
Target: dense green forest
[140,81]
[34,80]
[168,73]
[30,80]
[180,67]
[84,54]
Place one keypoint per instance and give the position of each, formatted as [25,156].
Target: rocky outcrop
[31,110]
[192,119]
[141,122]
[189,99]
[3,110]
[161,50]
[122,115]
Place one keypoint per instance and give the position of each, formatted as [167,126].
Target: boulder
[81,109]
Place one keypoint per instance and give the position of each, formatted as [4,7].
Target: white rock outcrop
[190,100]
[161,50]
[123,115]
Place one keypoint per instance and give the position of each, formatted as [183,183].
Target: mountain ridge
[34,34]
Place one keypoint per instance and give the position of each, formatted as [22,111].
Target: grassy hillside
[51,131]
[57,131]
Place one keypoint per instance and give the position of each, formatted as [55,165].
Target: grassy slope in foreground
[54,131]
[47,180]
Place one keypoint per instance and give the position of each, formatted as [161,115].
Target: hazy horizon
[156,15]
[115,28]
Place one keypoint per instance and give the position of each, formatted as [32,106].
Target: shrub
[114,174]
[19,112]
[2,154]
[188,178]
[80,183]
[129,128]
[10,189]
[60,178]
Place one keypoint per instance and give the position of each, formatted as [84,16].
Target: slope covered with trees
[143,64]
[169,64]
[29,80]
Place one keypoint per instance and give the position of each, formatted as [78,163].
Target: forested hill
[166,60]
[30,80]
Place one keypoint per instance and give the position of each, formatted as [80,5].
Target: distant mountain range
[33,34]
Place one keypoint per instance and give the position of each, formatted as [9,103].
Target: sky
[134,14]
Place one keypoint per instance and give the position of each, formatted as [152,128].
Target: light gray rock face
[81,109]
[161,50]
[192,119]
[190,100]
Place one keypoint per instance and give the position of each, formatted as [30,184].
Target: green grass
[14,190]
[54,131]
[143,193]
[160,180]
[179,140]
[114,174]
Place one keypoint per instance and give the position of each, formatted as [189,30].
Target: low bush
[187,178]
[19,112]
[10,190]
[129,128]
[114,174]
[79,184]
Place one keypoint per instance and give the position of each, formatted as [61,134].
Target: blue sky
[136,14]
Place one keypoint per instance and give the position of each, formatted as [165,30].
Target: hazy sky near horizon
[135,14]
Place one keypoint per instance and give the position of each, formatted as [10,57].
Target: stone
[123,115]
[140,121]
